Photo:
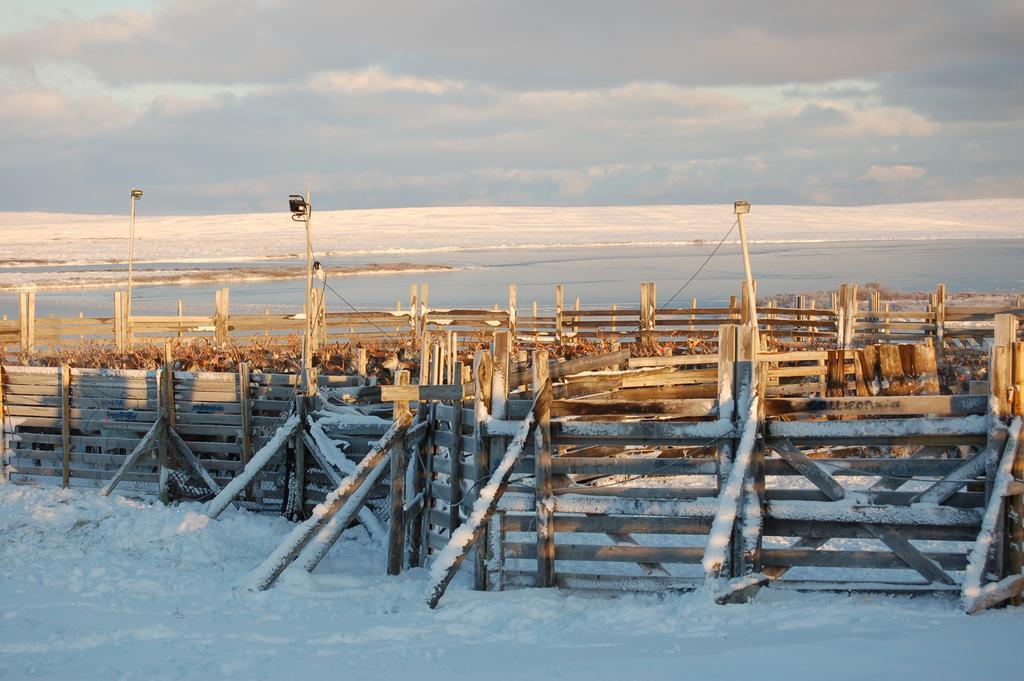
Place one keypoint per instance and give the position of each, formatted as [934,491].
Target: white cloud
[894,173]
[374,80]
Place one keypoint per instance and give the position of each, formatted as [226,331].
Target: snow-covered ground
[49,238]
[113,588]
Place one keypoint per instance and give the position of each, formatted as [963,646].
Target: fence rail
[844,325]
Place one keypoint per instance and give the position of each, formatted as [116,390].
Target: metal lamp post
[136,195]
[302,211]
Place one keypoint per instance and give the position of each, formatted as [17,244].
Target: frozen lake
[598,274]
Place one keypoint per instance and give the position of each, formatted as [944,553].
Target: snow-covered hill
[66,238]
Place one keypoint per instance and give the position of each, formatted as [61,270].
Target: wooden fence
[845,324]
[811,469]
[892,489]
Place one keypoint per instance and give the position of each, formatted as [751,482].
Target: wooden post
[835,373]
[28,323]
[220,323]
[23,321]
[1001,370]
[413,315]
[399,461]
[512,311]
[482,374]
[65,421]
[162,437]
[361,365]
[27,319]
[245,409]
[315,326]
[3,426]
[499,410]
[424,290]
[614,318]
[544,494]
[559,304]
[301,405]
[648,307]
[455,457]
[940,317]
[847,301]
[118,323]
[1015,503]
[643,314]
[652,311]
[726,398]
[166,385]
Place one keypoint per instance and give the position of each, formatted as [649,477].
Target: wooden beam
[936,405]
[133,458]
[884,533]
[469,534]
[65,421]
[396,495]
[190,458]
[331,517]
[255,465]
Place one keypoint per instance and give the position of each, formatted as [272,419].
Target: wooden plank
[616,553]
[936,405]
[860,559]
[702,408]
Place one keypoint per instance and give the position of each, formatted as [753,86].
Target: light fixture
[298,206]
[741,207]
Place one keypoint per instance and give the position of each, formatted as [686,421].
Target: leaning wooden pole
[255,465]
[448,561]
[147,441]
[344,502]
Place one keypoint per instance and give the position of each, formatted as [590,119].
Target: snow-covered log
[258,461]
[447,562]
[730,497]
[343,502]
[325,451]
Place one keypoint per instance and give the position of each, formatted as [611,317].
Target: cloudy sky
[225,106]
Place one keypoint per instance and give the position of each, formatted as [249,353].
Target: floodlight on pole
[302,211]
[741,208]
[136,195]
